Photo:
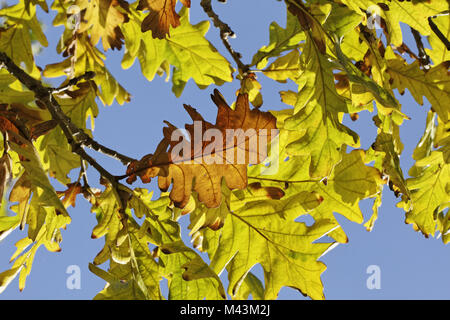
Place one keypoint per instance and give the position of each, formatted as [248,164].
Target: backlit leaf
[187,50]
[208,163]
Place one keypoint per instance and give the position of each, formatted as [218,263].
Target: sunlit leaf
[186,49]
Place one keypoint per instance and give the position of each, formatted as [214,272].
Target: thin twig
[103,172]
[83,174]
[94,145]
[87,76]
[225,34]
[404,48]
[424,59]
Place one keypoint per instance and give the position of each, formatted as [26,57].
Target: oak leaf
[413,13]
[309,20]
[208,162]
[280,40]
[186,55]
[103,18]
[264,231]
[18,32]
[434,84]
[5,173]
[315,114]
[69,195]
[162,15]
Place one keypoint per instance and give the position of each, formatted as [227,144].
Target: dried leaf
[69,196]
[161,17]
[208,161]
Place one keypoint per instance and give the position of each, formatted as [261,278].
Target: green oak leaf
[250,286]
[316,112]
[22,27]
[413,13]
[186,49]
[430,194]
[284,248]
[44,215]
[439,52]
[433,84]
[285,67]
[57,155]
[280,40]
[190,278]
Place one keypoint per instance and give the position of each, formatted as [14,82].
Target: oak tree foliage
[241,214]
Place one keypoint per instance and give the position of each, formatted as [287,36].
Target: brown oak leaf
[6,125]
[69,196]
[42,128]
[24,120]
[211,153]
[162,15]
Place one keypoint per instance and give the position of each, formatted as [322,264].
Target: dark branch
[439,34]
[74,135]
[42,94]
[424,59]
[225,34]
[103,172]
[94,145]
[45,95]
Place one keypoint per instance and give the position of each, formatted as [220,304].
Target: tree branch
[74,135]
[87,76]
[94,145]
[438,32]
[42,94]
[424,59]
[225,34]
[103,173]
[45,95]
[83,174]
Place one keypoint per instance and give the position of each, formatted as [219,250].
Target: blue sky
[412,267]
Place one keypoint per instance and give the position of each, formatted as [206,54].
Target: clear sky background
[412,267]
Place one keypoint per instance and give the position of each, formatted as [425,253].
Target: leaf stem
[285,181]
